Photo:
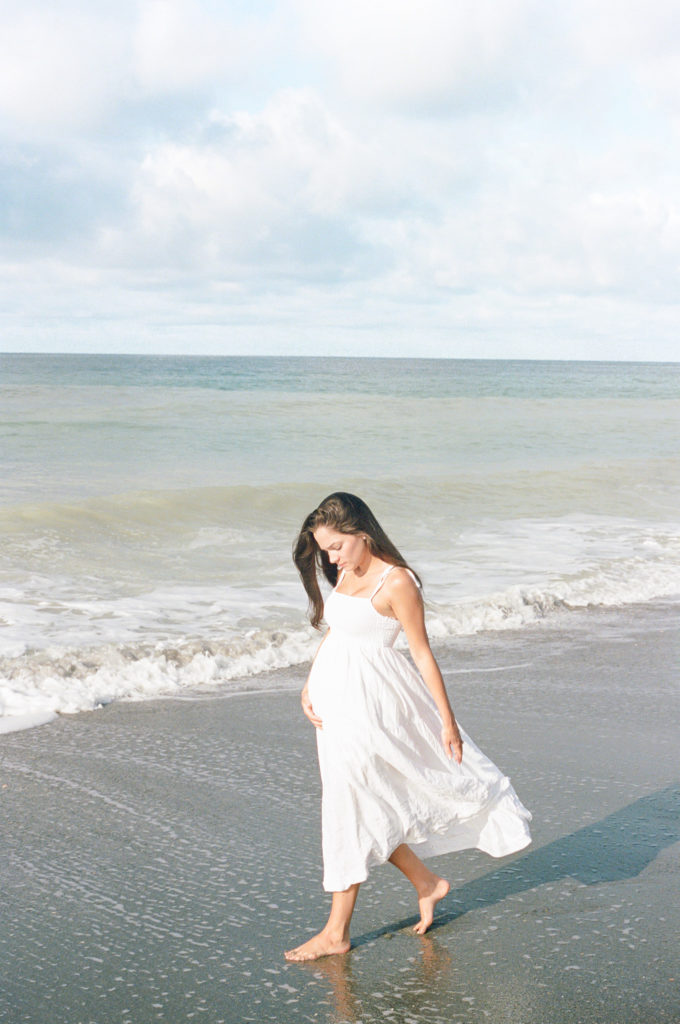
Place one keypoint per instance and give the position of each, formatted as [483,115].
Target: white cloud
[273,191]
[612,31]
[415,55]
[181,44]
[71,66]
[633,46]
[61,66]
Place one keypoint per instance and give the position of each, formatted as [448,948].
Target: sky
[453,178]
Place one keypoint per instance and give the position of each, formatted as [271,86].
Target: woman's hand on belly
[308,710]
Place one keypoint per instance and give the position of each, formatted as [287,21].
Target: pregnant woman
[397,771]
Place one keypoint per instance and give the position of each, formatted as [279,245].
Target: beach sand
[158,858]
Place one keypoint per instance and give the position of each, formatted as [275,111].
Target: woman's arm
[406,605]
[304,696]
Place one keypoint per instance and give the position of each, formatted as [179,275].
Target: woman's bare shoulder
[401,582]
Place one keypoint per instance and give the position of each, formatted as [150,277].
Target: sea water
[148,506]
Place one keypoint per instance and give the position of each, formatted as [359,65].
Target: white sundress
[386,778]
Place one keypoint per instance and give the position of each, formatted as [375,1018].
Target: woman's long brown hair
[347,514]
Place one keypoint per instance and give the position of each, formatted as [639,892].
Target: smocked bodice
[356,619]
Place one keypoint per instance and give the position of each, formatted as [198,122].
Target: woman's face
[346,550]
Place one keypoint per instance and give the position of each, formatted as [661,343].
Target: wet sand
[158,858]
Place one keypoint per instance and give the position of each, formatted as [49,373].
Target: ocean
[148,506]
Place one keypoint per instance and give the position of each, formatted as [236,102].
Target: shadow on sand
[620,846]
[617,848]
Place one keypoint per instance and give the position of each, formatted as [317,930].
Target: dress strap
[386,573]
[382,579]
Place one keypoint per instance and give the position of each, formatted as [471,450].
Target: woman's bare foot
[428,900]
[323,944]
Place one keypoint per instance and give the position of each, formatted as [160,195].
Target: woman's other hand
[309,710]
[453,744]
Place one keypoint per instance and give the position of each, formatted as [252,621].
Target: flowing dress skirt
[386,778]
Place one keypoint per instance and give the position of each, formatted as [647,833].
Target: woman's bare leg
[429,887]
[334,937]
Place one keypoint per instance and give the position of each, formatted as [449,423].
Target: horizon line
[280,355]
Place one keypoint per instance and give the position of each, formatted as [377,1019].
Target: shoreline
[160,856]
[288,676]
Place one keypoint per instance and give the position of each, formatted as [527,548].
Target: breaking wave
[79,678]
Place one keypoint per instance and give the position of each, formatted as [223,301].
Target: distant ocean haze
[148,505]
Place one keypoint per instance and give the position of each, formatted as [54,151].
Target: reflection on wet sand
[356,999]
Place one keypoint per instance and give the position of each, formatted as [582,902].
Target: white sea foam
[629,582]
[16,723]
[72,680]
